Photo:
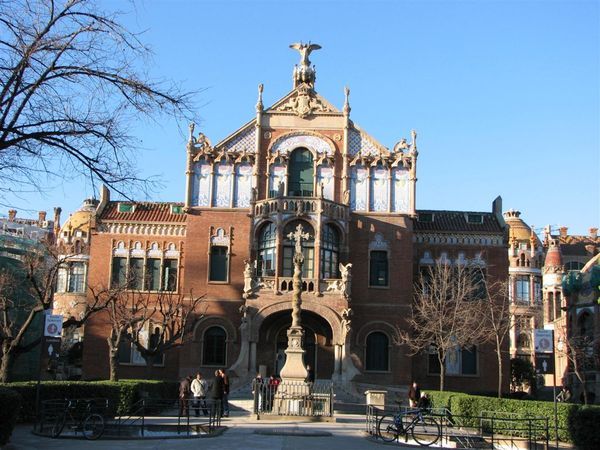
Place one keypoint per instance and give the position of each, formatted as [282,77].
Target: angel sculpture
[305,50]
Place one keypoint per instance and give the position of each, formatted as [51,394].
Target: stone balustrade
[301,206]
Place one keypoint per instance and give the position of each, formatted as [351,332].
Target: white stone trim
[459,239]
[156,229]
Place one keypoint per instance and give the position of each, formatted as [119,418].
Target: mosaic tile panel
[246,140]
[315,143]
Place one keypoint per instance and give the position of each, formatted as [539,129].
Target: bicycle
[425,430]
[90,424]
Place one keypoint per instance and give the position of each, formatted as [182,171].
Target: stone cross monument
[294,369]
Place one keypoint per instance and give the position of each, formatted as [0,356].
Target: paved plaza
[244,432]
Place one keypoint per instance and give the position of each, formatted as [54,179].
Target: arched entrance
[318,343]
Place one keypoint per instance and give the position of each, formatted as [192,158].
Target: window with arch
[301,173]
[330,250]
[215,347]
[307,249]
[378,268]
[267,251]
[377,352]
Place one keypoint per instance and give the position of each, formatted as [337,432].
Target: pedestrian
[216,394]
[258,386]
[225,393]
[414,394]
[184,396]
[271,389]
[199,388]
[424,401]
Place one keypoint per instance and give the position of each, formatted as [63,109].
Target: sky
[504,95]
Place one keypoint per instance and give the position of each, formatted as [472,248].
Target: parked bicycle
[425,430]
[81,417]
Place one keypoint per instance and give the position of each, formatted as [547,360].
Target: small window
[126,207]
[378,275]
[426,217]
[215,347]
[170,275]
[474,218]
[219,262]
[77,277]
[176,209]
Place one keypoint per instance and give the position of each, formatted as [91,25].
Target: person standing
[414,394]
[225,393]
[199,388]
[216,394]
[184,396]
[310,374]
[258,386]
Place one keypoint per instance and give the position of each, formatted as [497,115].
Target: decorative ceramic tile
[289,143]
[245,140]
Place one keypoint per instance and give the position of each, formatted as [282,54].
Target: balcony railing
[300,206]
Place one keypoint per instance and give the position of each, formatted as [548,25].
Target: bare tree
[26,290]
[152,322]
[71,80]
[445,315]
[582,354]
[497,321]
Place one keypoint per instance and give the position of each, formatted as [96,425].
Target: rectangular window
[459,362]
[522,288]
[170,275]
[77,277]
[537,291]
[153,274]
[474,218]
[307,266]
[119,272]
[61,280]
[378,268]
[219,262]
[478,280]
[136,274]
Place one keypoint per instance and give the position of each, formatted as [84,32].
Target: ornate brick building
[299,161]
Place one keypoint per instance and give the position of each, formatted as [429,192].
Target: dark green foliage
[574,421]
[122,395]
[583,424]
[522,374]
[11,404]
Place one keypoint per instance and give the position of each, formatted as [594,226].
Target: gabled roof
[295,92]
[456,221]
[143,212]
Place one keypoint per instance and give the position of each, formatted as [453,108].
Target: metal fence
[147,418]
[293,399]
[491,429]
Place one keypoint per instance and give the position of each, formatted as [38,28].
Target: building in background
[525,258]
[20,237]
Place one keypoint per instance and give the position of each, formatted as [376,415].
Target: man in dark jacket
[184,395]
[414,394]
[216,393]
[225,393]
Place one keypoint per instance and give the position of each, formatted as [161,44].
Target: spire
[304,72]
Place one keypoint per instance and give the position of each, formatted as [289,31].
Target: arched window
[330,249]
[215,347]
[267,252]
[307,249]
[377,357]
[301,173]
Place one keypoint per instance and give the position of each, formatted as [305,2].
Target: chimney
[57,211]
[593,233]
[12,214]
[563,231]
[41,217]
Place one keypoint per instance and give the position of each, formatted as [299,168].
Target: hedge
[574,421]
[11,404]
[122,395]
[583,424]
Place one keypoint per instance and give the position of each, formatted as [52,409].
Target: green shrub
[122,395]
[11,404]
[583,424]
[463,407]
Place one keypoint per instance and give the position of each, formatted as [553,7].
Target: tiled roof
[576,245]
[143,212]
[456,221]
